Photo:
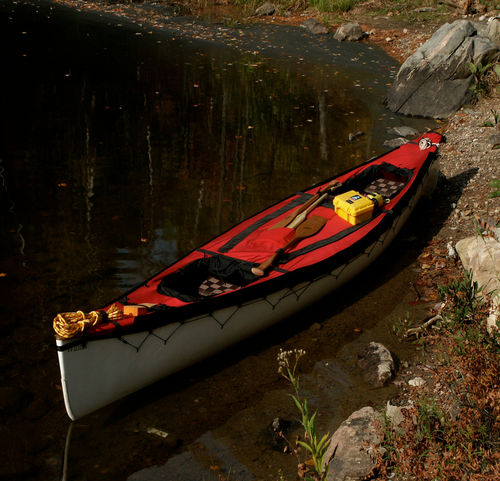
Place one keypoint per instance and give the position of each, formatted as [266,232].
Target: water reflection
[123,149]
[123,136]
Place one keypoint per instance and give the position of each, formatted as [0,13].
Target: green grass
[333,5]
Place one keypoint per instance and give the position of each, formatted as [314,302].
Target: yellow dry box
[354,207]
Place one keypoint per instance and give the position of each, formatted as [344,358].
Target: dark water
[123,148]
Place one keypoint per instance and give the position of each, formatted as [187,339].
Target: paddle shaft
[301,217]
[284,222]
[308,228]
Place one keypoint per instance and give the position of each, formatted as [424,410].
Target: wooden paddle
[308,228]
[301,217]
[284,222]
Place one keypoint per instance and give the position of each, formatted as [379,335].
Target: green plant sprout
[496,116]
[315,447]
[479,85]
[496,69]
[463,297]
[495,185]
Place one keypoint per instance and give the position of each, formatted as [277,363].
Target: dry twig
[416,330]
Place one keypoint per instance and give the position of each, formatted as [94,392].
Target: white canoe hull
[100,372]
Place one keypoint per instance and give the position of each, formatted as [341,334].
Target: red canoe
[216,295]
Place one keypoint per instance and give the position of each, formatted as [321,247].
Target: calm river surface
[123,147]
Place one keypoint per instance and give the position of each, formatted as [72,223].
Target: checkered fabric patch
[213,286]
[385,187]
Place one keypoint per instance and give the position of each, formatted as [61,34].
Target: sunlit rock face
[436,80]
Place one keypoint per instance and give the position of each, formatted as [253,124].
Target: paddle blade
[310,227]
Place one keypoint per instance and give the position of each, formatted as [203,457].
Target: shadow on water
[123,148]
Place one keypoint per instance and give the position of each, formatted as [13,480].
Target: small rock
[403,131]
[157,432]
[355,446]
[267,8]
[438,307]
[452,253]
[492,321]
[349,31]
[314,26]
[393,143]
[377,362]
[416,382]
[395,415]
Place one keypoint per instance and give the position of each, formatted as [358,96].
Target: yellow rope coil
[71,324]
[114,313]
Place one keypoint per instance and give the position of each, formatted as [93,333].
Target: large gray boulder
[355,446]
[435,81]
[481,256]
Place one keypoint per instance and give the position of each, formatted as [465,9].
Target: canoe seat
[205,277]
[387,188]
[384,179]
[213,286]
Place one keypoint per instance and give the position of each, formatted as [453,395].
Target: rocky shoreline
[469,160]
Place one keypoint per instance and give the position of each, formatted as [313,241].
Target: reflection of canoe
[210,299]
